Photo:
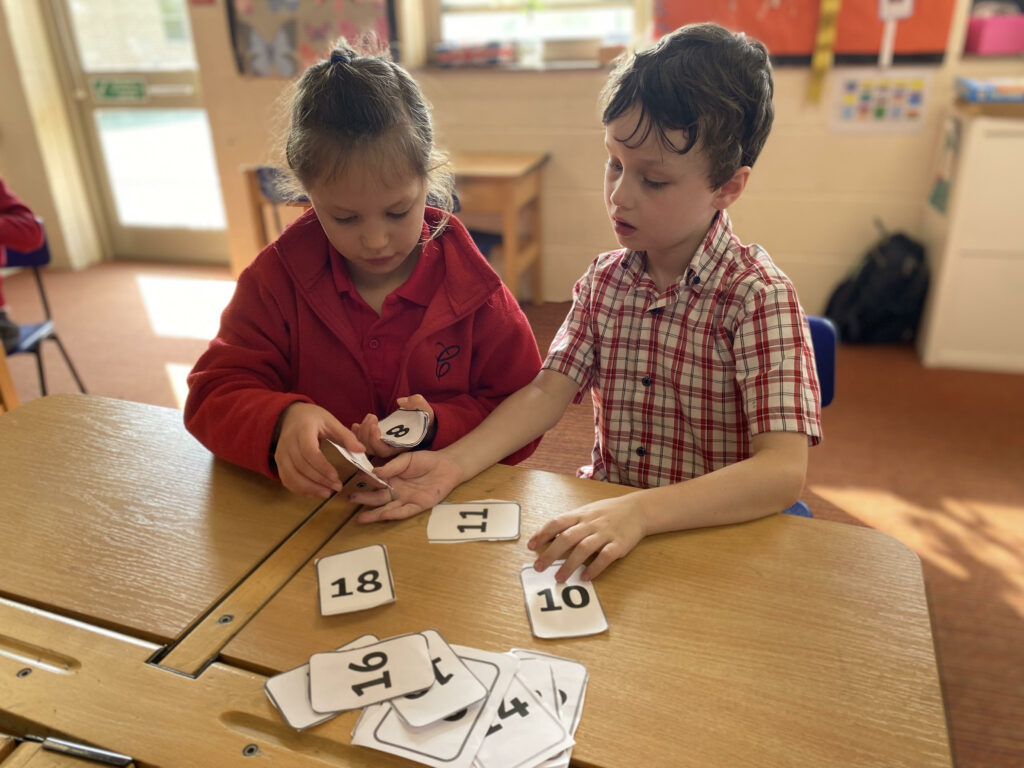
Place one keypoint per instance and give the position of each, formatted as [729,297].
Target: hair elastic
[337,56]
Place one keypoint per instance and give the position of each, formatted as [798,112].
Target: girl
[371,299]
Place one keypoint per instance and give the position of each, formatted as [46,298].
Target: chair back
[824,339]
[40,257]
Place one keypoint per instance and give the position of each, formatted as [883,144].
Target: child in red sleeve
[18,230]
[371,300]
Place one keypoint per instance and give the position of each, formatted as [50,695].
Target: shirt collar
[422,283]
[704,261]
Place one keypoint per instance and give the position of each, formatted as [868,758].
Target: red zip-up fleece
[285,337]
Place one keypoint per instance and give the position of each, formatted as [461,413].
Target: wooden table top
[782,642]
[496,165]
[779,642]
[112,513]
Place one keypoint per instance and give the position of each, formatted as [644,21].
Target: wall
[812,200]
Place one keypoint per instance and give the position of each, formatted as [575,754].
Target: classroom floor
[931,457]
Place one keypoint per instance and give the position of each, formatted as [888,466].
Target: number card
[570,687]
[359,461]
[404,428]
[561,610]
[454,687]
[354,580]
[343,680]
[454,741]
[524,733]
[474,521]
[289,692]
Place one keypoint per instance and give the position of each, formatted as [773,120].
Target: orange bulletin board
[787,27]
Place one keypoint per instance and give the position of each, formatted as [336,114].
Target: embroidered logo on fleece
[448,353]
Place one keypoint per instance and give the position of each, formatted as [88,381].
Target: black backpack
[882,300]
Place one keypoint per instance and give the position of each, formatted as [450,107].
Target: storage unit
[974,317]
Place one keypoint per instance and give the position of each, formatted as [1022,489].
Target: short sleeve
[775,368]
[572,351]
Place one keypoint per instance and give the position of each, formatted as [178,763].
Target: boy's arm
[767,482]
[420,479]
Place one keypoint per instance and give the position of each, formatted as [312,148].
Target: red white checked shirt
[683,379]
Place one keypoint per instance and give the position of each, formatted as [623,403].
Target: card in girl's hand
[405,428]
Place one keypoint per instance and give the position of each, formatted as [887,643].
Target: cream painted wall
[811,202]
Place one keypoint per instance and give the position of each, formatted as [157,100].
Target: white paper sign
[344,680]
[561,610]
[358,460]
[454,687]
[474,521]
[289,692]
[404,428]
[454,741]
[354,580]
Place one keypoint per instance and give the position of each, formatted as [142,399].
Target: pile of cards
[441,704]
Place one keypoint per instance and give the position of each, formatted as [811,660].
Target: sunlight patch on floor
[965,538]
[178,373]
[183,307]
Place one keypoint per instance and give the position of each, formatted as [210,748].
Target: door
[134,73]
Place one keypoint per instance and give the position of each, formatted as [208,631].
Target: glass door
[136,84]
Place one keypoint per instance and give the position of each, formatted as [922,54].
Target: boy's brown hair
[713,84]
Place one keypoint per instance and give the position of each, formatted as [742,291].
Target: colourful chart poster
[879,100]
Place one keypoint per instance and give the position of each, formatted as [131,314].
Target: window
[529,32]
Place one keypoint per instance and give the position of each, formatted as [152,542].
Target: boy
[693,345]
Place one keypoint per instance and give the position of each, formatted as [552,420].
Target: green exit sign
[106,89]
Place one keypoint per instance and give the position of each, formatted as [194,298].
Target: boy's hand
[419,480]
[368,430]
[301,465]
[605,530]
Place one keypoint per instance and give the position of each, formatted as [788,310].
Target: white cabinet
[974,317]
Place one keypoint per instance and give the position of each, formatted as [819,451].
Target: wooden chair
[266,196]
[8,395]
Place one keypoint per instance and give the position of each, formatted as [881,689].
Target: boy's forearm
[767,482]
[522,417]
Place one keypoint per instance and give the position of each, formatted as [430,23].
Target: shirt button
[641,451]
[646,381]
[696,281]
[374,343]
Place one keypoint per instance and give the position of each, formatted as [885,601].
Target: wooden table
[506,184]
[780,642]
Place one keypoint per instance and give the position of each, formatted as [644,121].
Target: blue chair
[824,340]
[32,335]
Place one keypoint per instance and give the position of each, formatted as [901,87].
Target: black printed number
[573,596]
[369,581]
[517,707]
[439,677]
[482,527]
[371,663]
[399,430]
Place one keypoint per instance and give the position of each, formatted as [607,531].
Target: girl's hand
[419,480]
[603,530]
[301,465]
[368,430]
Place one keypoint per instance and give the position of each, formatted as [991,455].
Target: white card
[343,680]
[524,733]
[474,521]
[354,580]
[454,741]
[289,692]
[537,675]
[561,610]
[404,428]
[359,460]
[454,687]
[571,687]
